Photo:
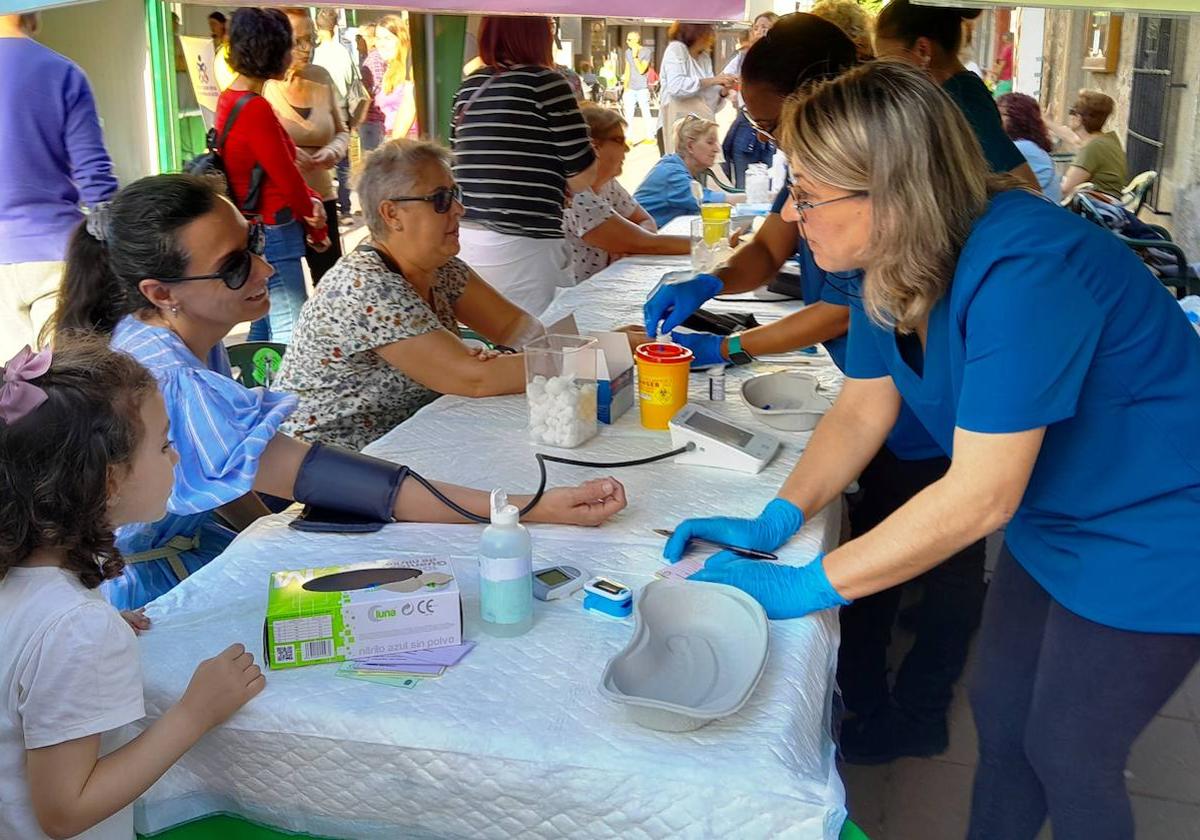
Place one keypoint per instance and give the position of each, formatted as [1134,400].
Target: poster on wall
[200,60]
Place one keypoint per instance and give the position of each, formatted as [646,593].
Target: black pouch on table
[720,323]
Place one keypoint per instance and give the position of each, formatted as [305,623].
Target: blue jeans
[370,136]
[1058,700]
[343,179]
[285,249]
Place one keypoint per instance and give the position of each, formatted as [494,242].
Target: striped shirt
[515,147]
[219,427]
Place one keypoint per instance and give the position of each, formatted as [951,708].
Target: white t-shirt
[69,668]
[588,210]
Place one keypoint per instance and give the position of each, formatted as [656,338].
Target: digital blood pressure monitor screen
[721,431]
[552,577]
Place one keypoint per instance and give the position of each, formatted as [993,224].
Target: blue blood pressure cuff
[349,482]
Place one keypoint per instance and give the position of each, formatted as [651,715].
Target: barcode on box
[320,649]
[284,653]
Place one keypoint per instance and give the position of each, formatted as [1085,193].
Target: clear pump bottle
[505,572]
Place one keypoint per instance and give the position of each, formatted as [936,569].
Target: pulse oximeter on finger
[608,597]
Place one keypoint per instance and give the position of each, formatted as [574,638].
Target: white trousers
[28,295]
[632,99]
[526,271]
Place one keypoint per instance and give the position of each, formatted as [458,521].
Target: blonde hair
[689,129]
[926,192]
[399,69]
[600,120]
[850,17]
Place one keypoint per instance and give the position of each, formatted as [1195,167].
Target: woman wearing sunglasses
[1048,362]
[909,718]
[168,268]
[379,339]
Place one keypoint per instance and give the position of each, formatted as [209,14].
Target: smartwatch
[737,355]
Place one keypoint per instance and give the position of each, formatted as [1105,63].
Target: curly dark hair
[55,461]
[259,41]
[1022,117]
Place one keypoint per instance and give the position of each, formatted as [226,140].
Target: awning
[15,7]
[698,10]
[1167,7]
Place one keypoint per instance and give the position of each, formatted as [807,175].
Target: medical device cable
[542,458]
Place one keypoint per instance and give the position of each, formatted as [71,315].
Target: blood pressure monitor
[719,442]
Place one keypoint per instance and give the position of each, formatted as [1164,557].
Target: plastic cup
[662,381]
[717,211]
[710,243]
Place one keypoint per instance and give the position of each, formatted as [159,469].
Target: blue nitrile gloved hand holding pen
[783,591]
[674,303]
[778,522]
[705,347]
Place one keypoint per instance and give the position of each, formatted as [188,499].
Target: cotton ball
[555,385]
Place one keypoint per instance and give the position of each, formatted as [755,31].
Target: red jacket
[258,138]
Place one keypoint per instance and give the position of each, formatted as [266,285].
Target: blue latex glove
[783,591]
[674,303]
[774,526]
[705,347]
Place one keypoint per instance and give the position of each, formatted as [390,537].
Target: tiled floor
[929,799]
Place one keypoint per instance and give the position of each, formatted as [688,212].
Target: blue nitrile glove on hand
[783,591]
[705,347]
[778,522]
[674,303]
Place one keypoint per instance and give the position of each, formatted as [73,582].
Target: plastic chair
[1133,198]
[256,363]
[1165,258]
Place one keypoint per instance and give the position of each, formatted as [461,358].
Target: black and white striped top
[515,147]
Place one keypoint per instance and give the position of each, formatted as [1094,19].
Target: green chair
[256,363]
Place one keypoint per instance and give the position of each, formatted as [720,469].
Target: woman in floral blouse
[379,339]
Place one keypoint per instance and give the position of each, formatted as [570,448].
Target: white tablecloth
[516,740]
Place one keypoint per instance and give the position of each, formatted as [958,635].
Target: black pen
[752,553]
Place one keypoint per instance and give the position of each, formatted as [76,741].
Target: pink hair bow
[18,395]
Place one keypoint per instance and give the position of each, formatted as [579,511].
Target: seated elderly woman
[1100,158]
[671,188]
[603,222]
[379,338]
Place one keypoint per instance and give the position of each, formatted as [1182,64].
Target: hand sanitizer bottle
[505,572]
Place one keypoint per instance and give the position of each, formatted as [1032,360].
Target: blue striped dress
[220,429]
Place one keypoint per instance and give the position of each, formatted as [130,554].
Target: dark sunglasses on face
[236,269]
[443,198]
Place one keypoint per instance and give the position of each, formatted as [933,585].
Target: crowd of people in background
[525,201]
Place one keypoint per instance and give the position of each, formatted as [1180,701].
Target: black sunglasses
[236,270]
[442,198]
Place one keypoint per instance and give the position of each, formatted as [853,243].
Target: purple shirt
[373,68]
[54,150]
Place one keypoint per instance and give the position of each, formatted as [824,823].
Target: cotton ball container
[560,388]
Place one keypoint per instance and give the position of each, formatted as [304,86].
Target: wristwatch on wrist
[737,355]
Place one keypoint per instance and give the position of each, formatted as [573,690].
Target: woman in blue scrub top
[908,718]
[930,37]
[1059,376]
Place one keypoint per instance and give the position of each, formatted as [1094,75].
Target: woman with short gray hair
[380,339]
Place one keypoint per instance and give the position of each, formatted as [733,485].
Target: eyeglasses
[236,270]
[443,198]
[1074,112]
[619,139]
[766,131]
[803,206]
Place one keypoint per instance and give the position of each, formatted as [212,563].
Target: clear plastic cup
[560,389]
[710,243]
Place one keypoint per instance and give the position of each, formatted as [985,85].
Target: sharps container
[560,388]
[662,370]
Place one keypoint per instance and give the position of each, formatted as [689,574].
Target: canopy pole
[431,77]
[162,79]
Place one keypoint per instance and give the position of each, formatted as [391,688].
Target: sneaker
[892,734]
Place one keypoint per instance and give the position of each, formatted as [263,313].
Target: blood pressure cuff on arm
[349,482]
